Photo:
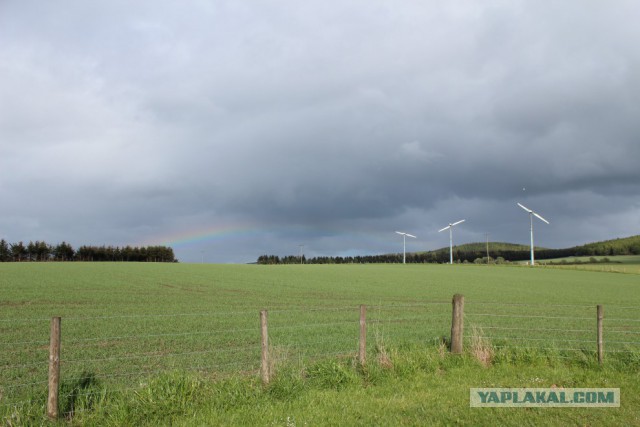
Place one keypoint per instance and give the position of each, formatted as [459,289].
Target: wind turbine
[450,227]
[404,245]
[531,215]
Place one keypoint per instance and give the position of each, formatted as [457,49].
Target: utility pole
[487,236]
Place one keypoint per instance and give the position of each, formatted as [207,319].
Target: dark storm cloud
[124,122]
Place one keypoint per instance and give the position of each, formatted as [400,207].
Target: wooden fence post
[362,353]
[54,368]
[457,323]
[600,330]
[264,363]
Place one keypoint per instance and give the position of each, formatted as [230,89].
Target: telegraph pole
[487,236]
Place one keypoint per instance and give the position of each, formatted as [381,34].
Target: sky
[232,129]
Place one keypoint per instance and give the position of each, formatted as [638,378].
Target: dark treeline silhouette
[473,252]
[42,251]
[420,258]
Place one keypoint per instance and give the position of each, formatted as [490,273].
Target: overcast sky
[231,129]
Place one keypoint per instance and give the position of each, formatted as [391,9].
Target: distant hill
[622,246]
[514,252]
[475,252]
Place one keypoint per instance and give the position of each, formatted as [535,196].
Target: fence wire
[122,350]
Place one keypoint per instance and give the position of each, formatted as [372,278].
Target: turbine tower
[404,245]
[450,227]
[531,215]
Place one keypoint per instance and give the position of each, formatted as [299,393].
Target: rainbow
[219,233]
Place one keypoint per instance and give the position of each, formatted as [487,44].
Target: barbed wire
[26,343]
[12,386]
[621,342]
[307,343]
[536,329]
[313,325]
[294,342]
[127,374]
[298,309]
[26,365]
[403,319]
[529,316]
[25,350]
[330,353]
[161,370]
[164,315]
[471,302]
[306,309]
[394,306]
[33,319]
[179,334]
[526,339]
[545,348]
[142,356]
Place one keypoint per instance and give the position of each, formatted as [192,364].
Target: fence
[123,350]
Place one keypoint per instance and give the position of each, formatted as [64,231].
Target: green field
[616,264]
[126,324]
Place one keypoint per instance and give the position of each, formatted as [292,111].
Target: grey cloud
[158,118]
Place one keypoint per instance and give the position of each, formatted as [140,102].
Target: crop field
[616,264]
[123,323]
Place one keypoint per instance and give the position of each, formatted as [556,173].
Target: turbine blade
[459,222]
[525,208]
[446,228]
[540,218]
[411,235]
[400,233]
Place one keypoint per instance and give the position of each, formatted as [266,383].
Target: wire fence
[121,351]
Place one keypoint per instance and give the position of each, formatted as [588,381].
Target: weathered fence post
[600,330]
[457,323]
[264,363]
[54,368]
[362,352]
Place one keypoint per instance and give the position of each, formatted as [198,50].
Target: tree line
[40,251]
[413,258]
[472,252]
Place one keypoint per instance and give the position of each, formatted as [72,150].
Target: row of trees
[411,258]
[472,252]
[426,257]
[42,251]
[625,246]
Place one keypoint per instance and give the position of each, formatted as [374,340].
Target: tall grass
[419,379]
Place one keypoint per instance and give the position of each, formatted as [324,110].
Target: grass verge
[410,385]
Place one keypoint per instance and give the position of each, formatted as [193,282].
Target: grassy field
[125,325]
[616,264]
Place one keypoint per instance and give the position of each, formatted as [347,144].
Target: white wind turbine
[531,215]
[404,245]
[450,227]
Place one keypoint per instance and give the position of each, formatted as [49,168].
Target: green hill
[622,246]
[474,252]
[514,252]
